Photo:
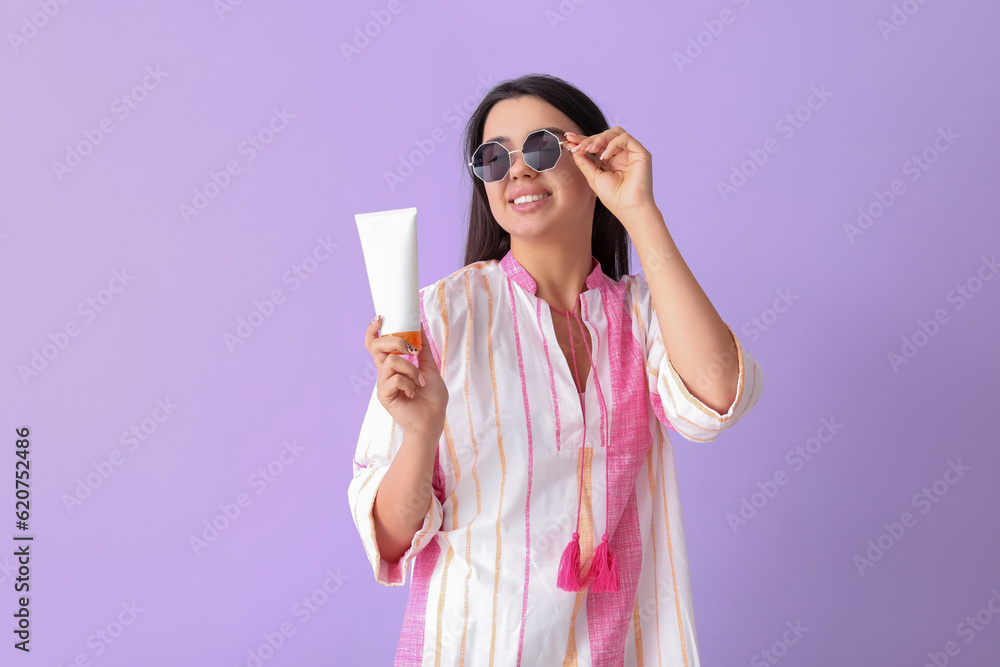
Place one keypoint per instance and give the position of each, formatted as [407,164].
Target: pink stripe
[527,503]
[654,398]
[427,329]
[411,637]
[597,382]
[410,651]
[552,383]
[629,442]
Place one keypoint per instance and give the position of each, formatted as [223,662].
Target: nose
[517,166]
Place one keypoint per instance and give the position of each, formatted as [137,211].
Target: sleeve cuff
[390,574]
[696,421]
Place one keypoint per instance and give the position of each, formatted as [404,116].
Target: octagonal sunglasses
[540,150]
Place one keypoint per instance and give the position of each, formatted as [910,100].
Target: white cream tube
[389,243]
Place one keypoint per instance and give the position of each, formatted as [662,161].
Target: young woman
[522,464]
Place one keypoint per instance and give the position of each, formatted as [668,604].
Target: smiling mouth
[520,201]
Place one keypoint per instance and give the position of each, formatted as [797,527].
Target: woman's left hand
[622,177]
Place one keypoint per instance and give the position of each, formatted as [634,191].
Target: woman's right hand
[419,409]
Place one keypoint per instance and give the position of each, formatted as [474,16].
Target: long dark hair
[486,238]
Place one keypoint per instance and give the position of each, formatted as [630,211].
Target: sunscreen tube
[389,243]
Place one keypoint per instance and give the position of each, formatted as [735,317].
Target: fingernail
[590,148]
[420,378]
[376,318]
[411,349]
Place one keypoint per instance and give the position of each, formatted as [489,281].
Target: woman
[522,465]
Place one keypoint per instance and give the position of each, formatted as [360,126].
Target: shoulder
[449,294]
[631,287]
[456,280]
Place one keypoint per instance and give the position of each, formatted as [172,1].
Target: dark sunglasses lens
[541,150]
[491,162]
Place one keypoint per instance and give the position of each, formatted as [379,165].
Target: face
[569,210]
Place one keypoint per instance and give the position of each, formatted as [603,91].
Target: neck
[560,270]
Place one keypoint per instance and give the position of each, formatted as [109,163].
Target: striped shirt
[507,478]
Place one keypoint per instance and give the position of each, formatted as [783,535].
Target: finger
[405,385]
[392,387]
[594,143]
[614,146]
[397,365]
[426,357]
[588,164]
[371,333]
[389,346]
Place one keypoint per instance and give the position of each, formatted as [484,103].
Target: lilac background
[304,375]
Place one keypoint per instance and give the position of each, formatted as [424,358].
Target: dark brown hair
[486,238]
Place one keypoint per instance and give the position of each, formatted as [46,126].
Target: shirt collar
[520,275]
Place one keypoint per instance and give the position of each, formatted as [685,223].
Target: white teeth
[526,199]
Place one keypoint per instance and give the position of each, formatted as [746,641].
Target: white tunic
[506,480]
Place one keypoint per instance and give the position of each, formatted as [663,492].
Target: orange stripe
[698,404]
[586,545]
[453,496]
[679,418]
[371,473]
[637,630]
[503,464]
[469,268]
[652,521]
[475,476]
[670,550]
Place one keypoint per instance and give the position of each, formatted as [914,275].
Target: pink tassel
[606,577]
[569,566]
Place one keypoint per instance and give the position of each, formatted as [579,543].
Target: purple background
[304,376]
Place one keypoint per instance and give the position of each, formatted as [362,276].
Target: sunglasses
[540,150]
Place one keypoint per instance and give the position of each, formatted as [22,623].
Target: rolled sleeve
[380,438]
[681,410]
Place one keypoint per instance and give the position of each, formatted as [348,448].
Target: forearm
[404,495]
[698,343]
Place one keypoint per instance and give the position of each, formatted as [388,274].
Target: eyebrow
[502,139]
